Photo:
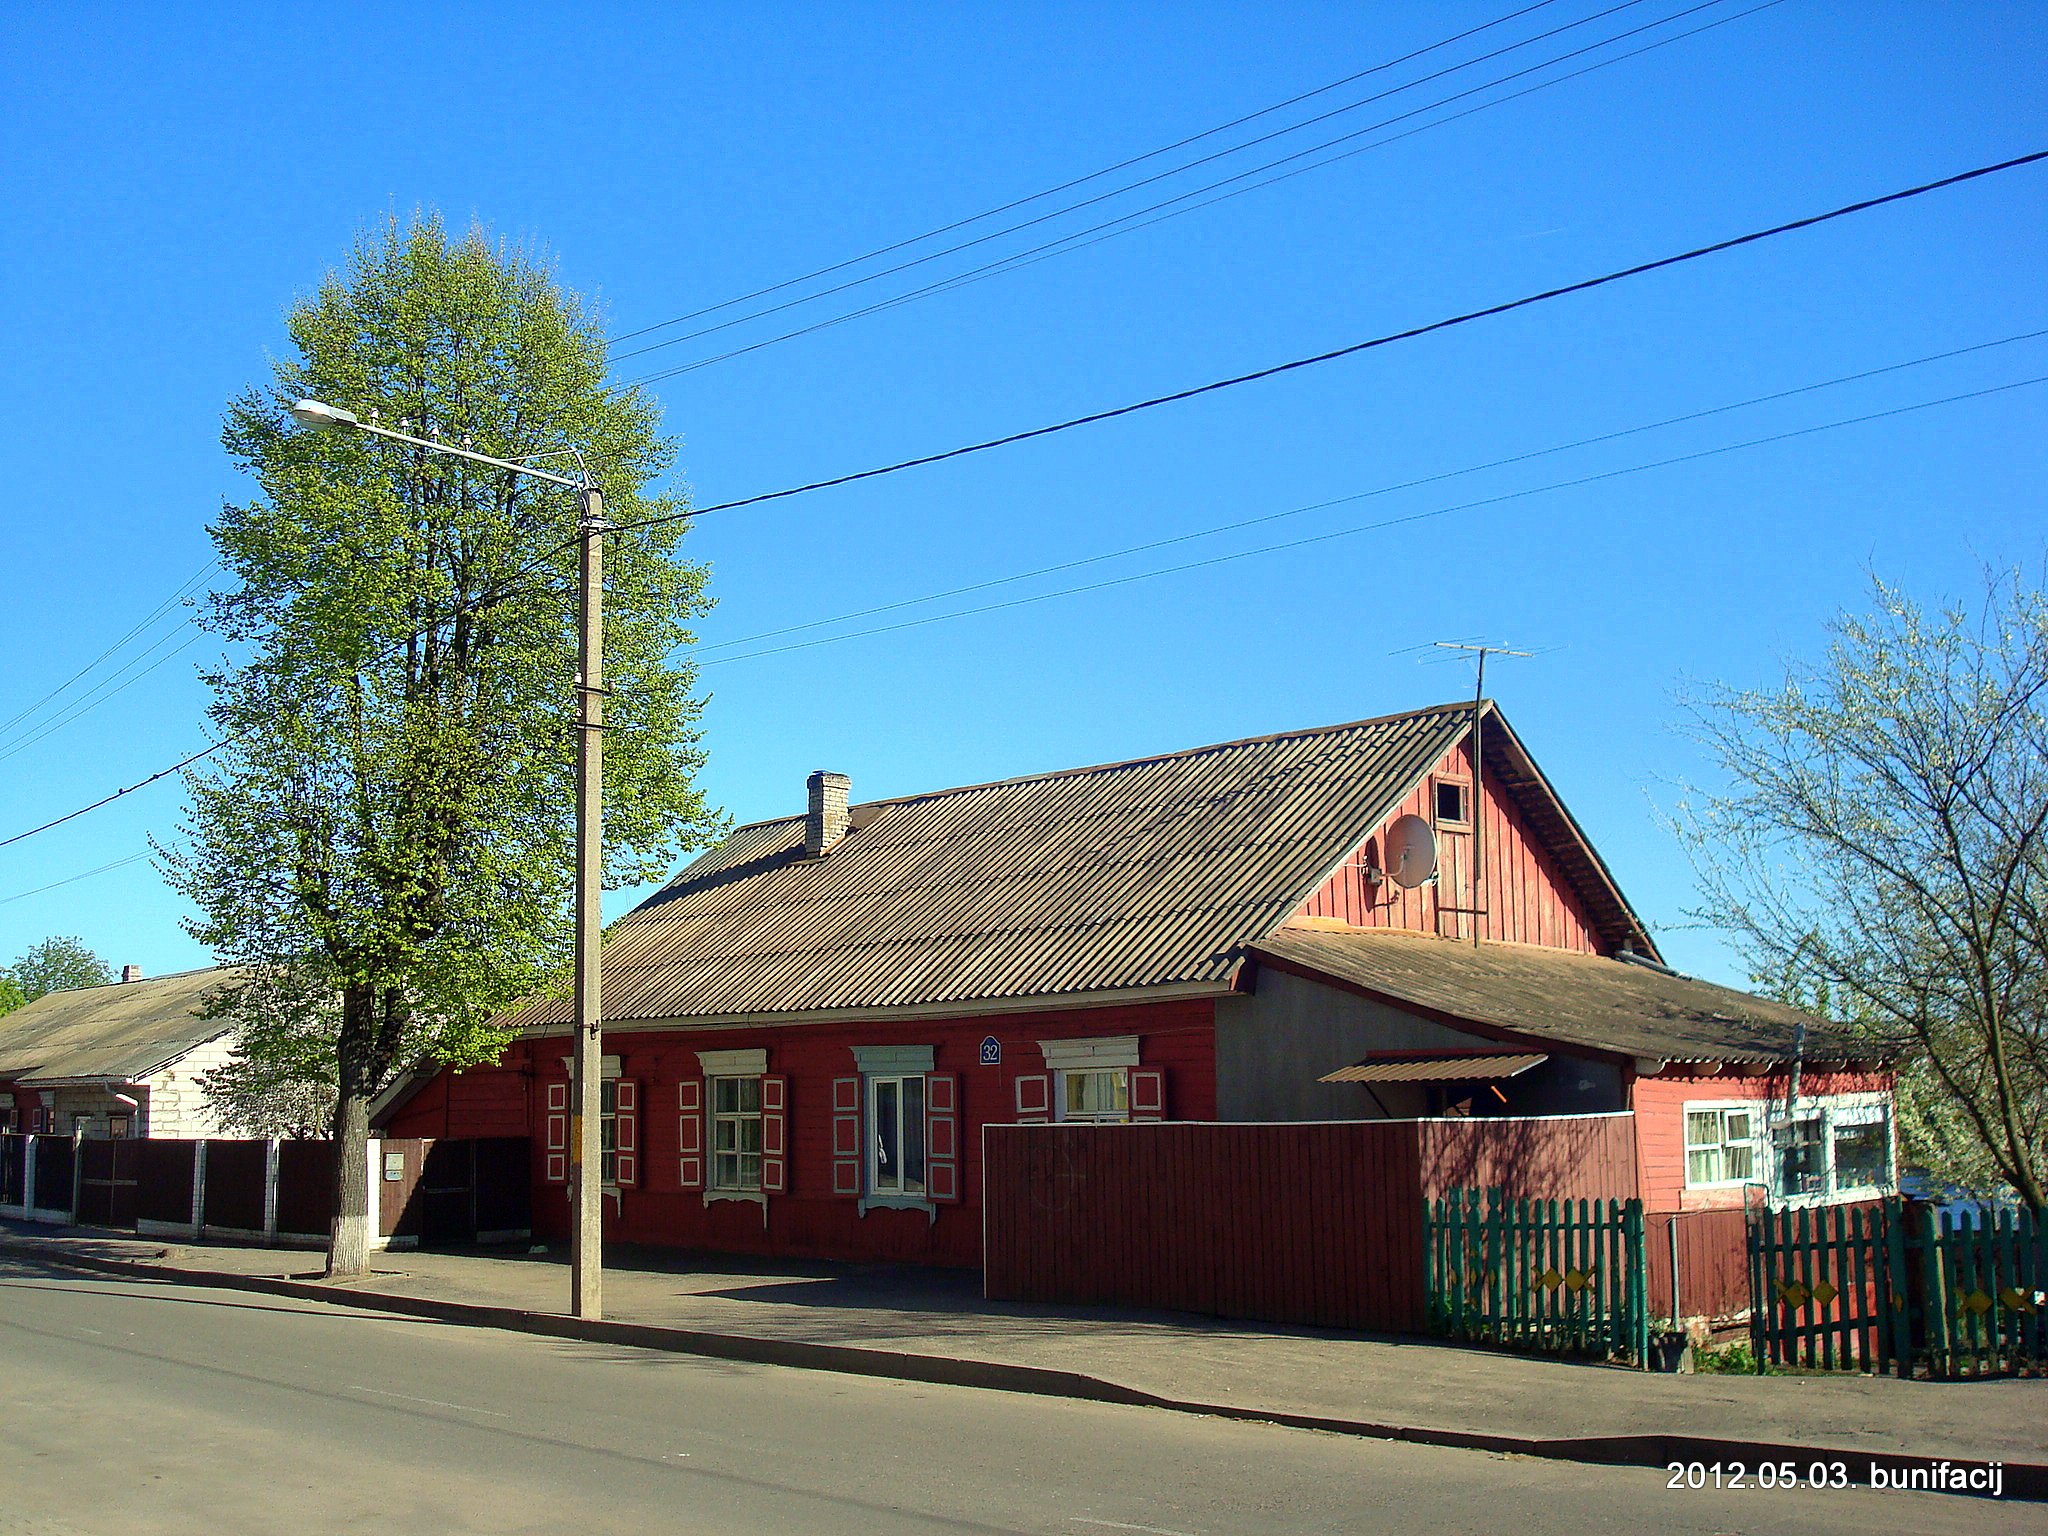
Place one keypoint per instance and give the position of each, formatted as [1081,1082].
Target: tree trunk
[348,1239]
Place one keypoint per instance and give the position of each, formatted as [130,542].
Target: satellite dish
[1411,852]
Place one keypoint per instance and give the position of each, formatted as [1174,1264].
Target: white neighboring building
[119,1060]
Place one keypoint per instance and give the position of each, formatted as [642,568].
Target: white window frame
[1755,1109]
[902,1189]
[880,1063]
[715,1118]
[1836,1113]
[1791,1120]
[1846,1117]
[1063,1110]
[608,1131]
[1095,1053]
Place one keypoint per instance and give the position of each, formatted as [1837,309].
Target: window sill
[899,1203]
[754,1196]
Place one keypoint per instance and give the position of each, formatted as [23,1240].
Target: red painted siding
[1315,1223]
[1578,1157]
[1660,1125]
[1713,1262]
[1528,900]
[1318,1223]
[807,1220]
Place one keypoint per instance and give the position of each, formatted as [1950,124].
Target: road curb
[2022,1480]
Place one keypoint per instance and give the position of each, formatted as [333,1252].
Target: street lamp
[586,1254]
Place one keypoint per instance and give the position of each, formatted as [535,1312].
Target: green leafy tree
[383,845]
[1880,851]
[11,995]
[56,965]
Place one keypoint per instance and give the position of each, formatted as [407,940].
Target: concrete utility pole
[586,1087]
[586,1083]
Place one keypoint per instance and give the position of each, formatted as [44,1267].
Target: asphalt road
[141,1408]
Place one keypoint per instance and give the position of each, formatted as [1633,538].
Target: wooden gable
[1543,883]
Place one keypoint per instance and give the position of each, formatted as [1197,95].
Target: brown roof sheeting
[1136,874]
[1563,997]
[1434,1067]
[123,1031]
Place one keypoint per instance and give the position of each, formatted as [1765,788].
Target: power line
[184,590]
[1109,170]
[1159,176]
[1186,394]
[1384,490]
[118,683]
[161,773]
[71,879]
[1392,522]
[507,588]
[1388,339]
[1112,229]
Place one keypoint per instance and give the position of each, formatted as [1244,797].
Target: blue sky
[177,174]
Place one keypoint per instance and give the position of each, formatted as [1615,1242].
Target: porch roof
[1528,994]
[1435,1066]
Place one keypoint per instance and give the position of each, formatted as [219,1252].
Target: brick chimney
[131,973]
[825,812]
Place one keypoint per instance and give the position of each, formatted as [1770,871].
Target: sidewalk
[1402,1388]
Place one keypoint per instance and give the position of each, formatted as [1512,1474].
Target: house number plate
[991,1052]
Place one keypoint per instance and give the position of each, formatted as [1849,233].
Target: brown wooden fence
[1316,1223]
[109,1180]
[1713,1262]
[448,1192]
[163,1176]
[236,1172]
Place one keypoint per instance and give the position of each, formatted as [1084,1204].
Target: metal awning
[1435,1067]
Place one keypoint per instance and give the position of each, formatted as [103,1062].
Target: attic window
[1453,803]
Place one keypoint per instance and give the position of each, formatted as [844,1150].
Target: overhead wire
[116,684]
[1385,490]
[136,858]
[1178,206]
[1372,343]
[1078,181]
[1158,176]
[1375,527]
[184,590]
[1352,349]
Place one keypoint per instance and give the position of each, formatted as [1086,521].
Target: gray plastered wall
[1273,1043]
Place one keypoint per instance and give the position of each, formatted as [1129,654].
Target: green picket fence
[1820,1288]
[1896,1287]
[1977,1294]
[1558,1276]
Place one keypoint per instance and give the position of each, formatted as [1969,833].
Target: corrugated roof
[1563,996]
[123,1031]
[1434,1067]
[1144,873]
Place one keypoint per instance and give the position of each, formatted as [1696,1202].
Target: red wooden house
[808,1028]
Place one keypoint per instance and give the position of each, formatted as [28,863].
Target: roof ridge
[1454,706]
[140,981]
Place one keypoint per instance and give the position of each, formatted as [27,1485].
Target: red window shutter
[558,1133]
[1034,1099]
[626,1133]
[690,1127]
[774,1135]
[1148,1094]
[846,1136]
[942,1135]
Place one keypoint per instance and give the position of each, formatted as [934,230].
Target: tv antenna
[1478,908]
